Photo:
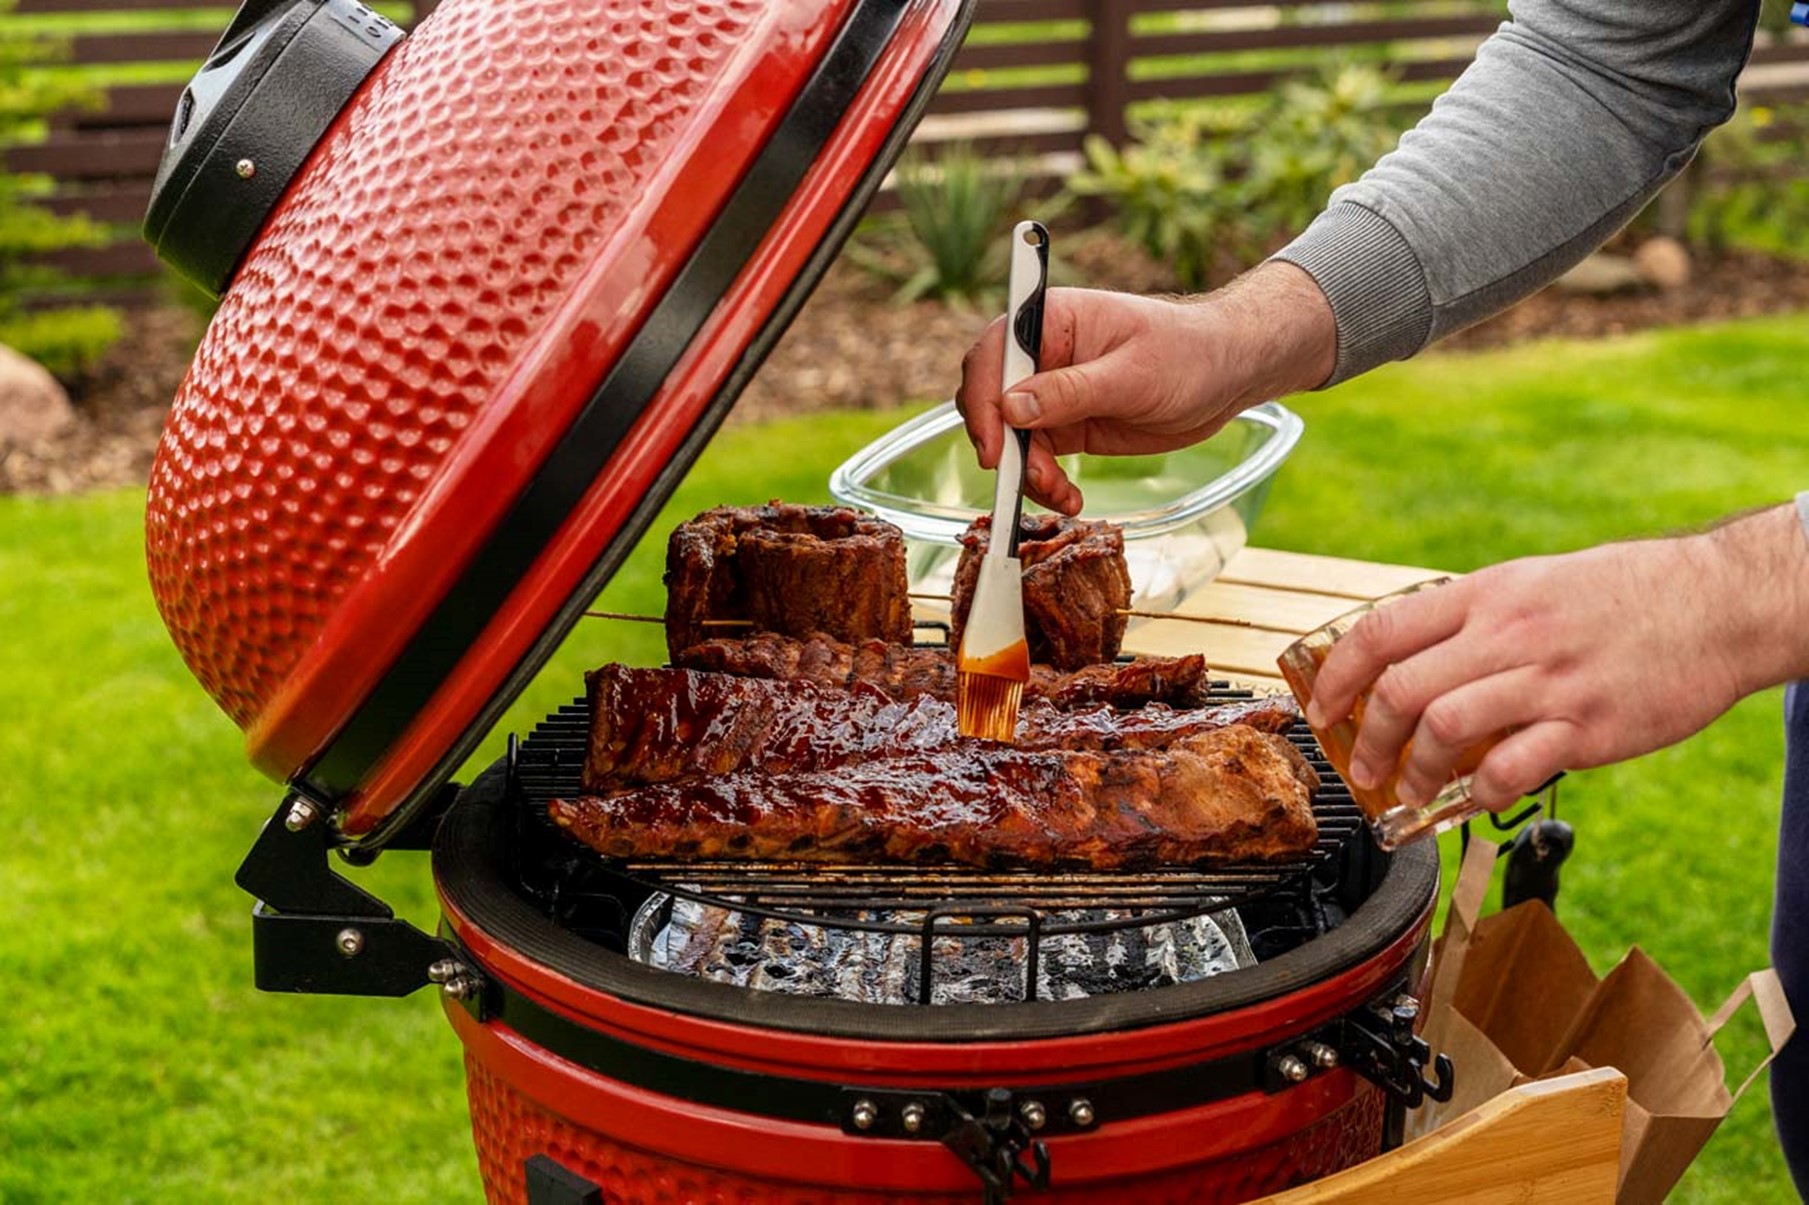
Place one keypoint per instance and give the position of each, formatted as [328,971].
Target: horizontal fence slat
[1049,142]
[1782,52]
[1175,6]
[90,156]
[1024,11]
[1020,54]
[128,295]
[105,6]
[993,100]
[1343,33]
[125,105]
[142,46]
[119,259]
[123,205]
[1242,83]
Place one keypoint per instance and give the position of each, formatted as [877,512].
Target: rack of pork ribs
[841,746]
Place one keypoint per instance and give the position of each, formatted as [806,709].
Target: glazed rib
[1229,795]
[663,725]
[1076,587]
[787,568]
[904,673]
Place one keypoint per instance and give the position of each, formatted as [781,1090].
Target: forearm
[1756,574]
[1574,114]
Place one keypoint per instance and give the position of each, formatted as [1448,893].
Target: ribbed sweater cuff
[1374,282]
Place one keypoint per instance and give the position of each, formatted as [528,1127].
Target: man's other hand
[1590,658]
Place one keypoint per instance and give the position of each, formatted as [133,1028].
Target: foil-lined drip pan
[768,954]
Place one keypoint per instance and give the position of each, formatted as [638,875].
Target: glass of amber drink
[1393,822]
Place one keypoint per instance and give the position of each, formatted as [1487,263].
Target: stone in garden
[1663,263]
[33,406]
[1602,274]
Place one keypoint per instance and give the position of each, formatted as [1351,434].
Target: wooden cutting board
[1291,591]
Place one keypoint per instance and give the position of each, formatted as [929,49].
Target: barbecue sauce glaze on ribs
[903,672]
[824,736]
[1227,794]
[789,569]
[665,725]
[1076,586]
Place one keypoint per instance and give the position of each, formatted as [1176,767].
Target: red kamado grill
[487,290]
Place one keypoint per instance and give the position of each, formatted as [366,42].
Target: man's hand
[1591,658]
[1128,375]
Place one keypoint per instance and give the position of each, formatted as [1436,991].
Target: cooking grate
[915,900]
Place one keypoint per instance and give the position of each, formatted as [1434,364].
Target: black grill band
[818,1102]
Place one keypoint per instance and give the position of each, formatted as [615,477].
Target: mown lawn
[137,1063]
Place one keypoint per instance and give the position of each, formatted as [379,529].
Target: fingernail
[1364,775]
[1315,715]
[1021,409]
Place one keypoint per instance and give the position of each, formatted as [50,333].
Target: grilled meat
[906,673]
[789,569]
[1230,794]
[663,725]
[1075,586]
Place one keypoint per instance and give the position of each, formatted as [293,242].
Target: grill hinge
[1376,1041]
[995,1138]
[315,931]
[1379,1043]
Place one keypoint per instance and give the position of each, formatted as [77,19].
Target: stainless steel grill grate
[871,898]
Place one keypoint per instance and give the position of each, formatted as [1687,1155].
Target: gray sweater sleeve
[1573,115]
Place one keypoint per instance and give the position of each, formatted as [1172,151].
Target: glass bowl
[1185,514]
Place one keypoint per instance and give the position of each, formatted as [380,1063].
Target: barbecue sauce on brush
[1012,663]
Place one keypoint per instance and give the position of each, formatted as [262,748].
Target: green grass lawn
[137,1063]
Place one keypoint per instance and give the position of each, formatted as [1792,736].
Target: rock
[1663,263]
[33,406]
[1601,274]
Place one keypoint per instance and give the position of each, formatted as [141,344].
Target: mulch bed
[853,347]
[119,411]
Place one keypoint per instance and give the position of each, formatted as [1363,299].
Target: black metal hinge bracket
[316,932]
[1376,1041]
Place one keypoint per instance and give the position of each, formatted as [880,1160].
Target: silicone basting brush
[994,661]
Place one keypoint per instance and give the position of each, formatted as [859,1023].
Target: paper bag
[1513,999]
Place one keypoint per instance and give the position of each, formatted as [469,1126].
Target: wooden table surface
[1290,591]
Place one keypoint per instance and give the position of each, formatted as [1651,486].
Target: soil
[852,346]
[119,411]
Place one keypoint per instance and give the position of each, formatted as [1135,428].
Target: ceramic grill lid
[479,335]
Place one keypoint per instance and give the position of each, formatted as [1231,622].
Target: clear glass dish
[1184,513]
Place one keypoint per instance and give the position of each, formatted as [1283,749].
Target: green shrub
[1202,185]
[65,341]
[1744,188]
[951,240]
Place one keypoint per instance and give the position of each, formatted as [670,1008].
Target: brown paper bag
[1513,998]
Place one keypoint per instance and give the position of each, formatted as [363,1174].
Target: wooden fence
[1035,78]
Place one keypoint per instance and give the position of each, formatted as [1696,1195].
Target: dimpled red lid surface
[433,234]
[472,246]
